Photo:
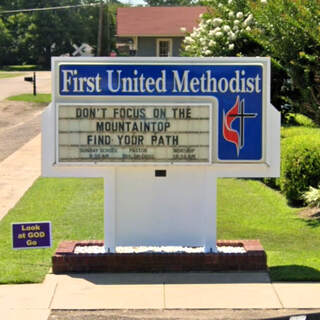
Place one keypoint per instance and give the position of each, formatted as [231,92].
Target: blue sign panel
[31,235]
[237,88]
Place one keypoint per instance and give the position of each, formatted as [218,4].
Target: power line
[50,8]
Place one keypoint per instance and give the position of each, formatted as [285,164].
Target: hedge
[300,166]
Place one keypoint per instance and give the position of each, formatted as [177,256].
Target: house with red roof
[156,31]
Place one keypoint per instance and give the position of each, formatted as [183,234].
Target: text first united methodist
[171,82]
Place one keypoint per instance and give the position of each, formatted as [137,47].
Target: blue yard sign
[31,235]
[239,89]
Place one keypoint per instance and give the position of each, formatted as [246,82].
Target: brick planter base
[65,261]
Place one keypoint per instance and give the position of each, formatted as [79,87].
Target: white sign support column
[210,217]
[110,207]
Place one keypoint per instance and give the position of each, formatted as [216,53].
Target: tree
[38,35]
[287,31]
[5,40]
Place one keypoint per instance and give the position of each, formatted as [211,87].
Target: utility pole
[108,30]
[100,30]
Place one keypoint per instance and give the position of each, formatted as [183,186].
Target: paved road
[19,126]
[17,85]
[15,137]
[222,314]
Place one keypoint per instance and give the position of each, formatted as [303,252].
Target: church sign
[160,131]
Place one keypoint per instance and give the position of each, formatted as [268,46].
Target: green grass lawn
[247,209]
[26,67]
[28,97]
[9,74]
[254,211]
[75,208]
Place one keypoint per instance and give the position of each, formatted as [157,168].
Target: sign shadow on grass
[294,273]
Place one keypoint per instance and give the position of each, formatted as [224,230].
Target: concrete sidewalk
[18,172]
[154,291]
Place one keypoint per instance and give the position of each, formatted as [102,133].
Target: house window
[164,47]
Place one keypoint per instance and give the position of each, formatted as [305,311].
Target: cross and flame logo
[237,137]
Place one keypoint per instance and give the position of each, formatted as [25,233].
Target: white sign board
[134,133]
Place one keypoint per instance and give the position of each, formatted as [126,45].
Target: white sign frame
[269,167]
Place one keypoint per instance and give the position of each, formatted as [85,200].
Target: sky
[133,2]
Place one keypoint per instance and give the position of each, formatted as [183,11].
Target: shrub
[301,120]
[219,30]
[294,131]
[303,128]
[300,166]
[312,197]
[273,183]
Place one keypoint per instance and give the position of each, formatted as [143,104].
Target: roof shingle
[157,21]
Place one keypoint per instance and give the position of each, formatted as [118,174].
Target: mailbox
[33,81]
[28,79]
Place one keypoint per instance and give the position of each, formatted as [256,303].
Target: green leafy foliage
[300,166]
[289,32]
[5,39]
[300,120]
[36,36]
[304,134]
[228,29]
[221,30]
[312,197]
